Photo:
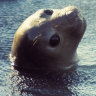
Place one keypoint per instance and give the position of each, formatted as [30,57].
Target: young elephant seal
[48,40]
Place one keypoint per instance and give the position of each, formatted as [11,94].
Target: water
[80,83]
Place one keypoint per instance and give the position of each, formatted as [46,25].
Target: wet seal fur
[48,40]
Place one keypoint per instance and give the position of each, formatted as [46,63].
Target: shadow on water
[46,84]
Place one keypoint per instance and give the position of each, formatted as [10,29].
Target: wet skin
[48,40]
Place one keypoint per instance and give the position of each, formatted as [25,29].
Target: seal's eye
[48,12]
[54,41]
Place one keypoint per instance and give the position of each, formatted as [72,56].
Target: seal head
[48,40]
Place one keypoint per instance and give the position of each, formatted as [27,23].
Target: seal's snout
[48,12]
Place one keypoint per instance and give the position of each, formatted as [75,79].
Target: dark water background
[13,83]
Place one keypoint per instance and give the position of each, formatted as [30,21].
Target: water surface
[80,83]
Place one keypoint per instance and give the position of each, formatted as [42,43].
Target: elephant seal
[48,40]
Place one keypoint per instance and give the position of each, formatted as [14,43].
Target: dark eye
[48,12]
[54,41]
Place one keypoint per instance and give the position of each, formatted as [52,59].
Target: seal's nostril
[48,12]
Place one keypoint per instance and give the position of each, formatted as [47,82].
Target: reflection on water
[49,84]
[54,84]
[79,83]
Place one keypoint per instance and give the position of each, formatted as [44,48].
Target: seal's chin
[72,10]
[74,14]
